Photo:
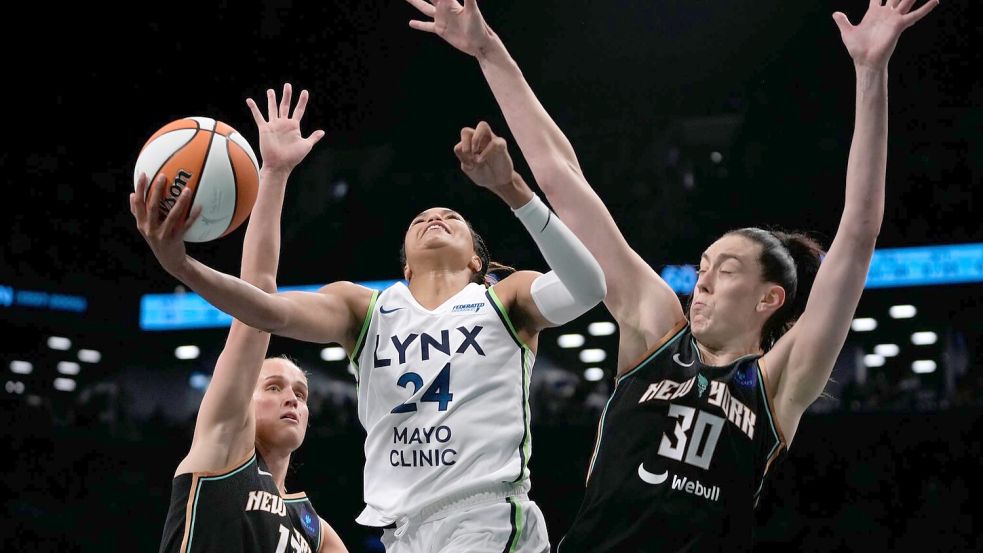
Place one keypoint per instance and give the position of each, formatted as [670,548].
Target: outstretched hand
[872,41]
[163,226]
[280,143]
[462,26]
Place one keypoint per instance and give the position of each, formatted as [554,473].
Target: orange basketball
[211,159]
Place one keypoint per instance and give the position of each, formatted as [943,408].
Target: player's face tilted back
[280,403]
[439,237]
[445,368]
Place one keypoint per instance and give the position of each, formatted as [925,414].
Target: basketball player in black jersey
[228,494]
[704,403]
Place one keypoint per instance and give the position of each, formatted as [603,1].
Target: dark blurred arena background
[690,118]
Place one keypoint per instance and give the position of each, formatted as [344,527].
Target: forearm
[542,142]
[261,247]
[554,164]
[576,282]
[863,208]
[238,298]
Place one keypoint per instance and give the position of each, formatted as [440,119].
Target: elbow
[276,325]
[862,226]
[863,234]
[599,288]
[553,173]
[593,290]
[267,283]
[273,318]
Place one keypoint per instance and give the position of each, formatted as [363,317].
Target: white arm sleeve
[576,282]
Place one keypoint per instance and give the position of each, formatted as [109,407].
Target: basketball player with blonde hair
[229,492]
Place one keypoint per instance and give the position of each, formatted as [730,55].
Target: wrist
[871,81]
[866,70]
[516,193]
[274,174]
[491,49]
[182,270]
[533,212]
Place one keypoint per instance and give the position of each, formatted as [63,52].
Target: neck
[726,353]
[433,287]
[277,461]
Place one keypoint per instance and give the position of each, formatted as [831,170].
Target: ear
[407,273]
[475,264]
[772,300]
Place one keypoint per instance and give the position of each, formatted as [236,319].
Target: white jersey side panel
[442,396]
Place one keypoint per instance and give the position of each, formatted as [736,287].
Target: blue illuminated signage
[189,310]
[890,267]
[12,297]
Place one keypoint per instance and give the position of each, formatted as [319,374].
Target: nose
[291,400]
[704,282]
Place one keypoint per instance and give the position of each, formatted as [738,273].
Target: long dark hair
[491,271]
[791,260]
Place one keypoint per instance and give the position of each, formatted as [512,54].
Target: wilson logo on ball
[178,186]
[212,160]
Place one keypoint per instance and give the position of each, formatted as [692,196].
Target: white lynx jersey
[443,397]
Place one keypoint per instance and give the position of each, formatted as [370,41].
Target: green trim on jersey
[525,447]
[504,314]
[600,426]
[516,520]
[526,452]
[360,342]
[771,424]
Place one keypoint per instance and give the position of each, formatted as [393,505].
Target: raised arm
[801,362]
[535,301]
[224,427]
[329,315]
[642,303]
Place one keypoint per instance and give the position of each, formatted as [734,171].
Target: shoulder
[207,459]
[330,541]
[355,296]
[347,289]
[515,284]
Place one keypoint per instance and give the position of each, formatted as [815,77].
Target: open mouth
[434,226]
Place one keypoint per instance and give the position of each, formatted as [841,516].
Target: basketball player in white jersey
[229,492]
[443,364]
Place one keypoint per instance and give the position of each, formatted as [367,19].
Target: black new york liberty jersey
[238,510]
[681,455]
